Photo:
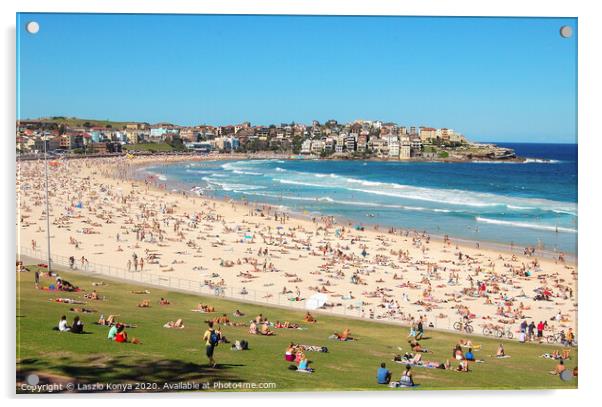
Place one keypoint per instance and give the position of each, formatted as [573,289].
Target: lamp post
[47,203]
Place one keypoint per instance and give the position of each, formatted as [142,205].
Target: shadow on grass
[117,370]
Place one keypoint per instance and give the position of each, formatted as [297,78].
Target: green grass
[153,147]
[178,355]
[76,122]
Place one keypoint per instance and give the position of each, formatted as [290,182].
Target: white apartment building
[306,147]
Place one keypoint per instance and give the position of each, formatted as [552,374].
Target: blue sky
[496,79]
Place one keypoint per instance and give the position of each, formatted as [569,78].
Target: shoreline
[505,247]
[93,202]
[271,155]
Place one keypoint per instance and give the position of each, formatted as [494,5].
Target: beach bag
[324,349]
[244,345]
[213,338]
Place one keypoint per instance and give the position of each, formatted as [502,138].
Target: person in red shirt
[121,335]
[540,327]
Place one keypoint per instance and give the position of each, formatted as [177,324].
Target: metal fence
[353,309]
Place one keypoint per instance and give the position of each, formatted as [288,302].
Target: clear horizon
[492,79]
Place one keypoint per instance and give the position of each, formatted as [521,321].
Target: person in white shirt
[63,327]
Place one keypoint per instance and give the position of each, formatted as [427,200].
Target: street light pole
[47,203]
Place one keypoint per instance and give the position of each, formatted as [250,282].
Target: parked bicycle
[464,325]
[507,332]
[556,337]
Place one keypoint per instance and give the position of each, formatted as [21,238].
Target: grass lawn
[76,122]
[170,355]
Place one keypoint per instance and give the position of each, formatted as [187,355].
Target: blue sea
[532,203]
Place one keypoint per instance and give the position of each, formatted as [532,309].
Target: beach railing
[171,282]
[228,292]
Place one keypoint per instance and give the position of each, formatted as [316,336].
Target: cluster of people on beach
[103,212]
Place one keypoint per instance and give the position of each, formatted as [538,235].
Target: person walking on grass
[420,329]
[211,339]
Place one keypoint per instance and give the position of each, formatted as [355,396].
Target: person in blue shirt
[383,375]
[469,355]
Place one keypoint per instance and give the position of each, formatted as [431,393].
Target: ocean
[522,204]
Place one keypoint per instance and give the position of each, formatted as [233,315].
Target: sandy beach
[99,214]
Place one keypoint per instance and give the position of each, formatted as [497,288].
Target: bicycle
[489,329]
[556,337]
[507,332]
[464,326]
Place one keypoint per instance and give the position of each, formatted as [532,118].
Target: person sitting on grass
[463,366]
[106,321]
[164,301]
[501,353]
[205,308]
[457,353]
[406,379]
[344,336]
[92,296]
[63,326]
[144,304]
[289,355]
[416,347]
[265,330]
[309,318]
[253,328]
[383,375]
[303,365]
[237,313]
[223,320]
[121,336]
[113,331]
[560,367]
[78,326]
[179,324]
